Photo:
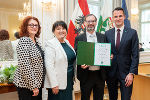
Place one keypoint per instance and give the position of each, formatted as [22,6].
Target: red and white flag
[81,9]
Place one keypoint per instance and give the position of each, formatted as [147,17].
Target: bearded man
[91,77]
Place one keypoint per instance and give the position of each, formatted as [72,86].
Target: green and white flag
[105,22]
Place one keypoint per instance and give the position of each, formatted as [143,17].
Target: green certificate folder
[85,53]
[97,54]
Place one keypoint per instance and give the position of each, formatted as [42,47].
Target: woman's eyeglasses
[33,25]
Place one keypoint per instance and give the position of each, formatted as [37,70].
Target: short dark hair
[17,35]
[4,35]
[23,29]
[118,8]
[90,15]
[59,23]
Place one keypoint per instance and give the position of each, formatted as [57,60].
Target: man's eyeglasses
[33,25]
[91,21]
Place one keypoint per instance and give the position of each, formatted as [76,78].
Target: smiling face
[90,23]
[118,18]
[33,27]
[60,33]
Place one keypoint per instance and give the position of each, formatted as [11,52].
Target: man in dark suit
[91,77]
[125,50]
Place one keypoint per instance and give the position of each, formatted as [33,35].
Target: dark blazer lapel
[113,38]
[124,36]
[98,37]
[84,37]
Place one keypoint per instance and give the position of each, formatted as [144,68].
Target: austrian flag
[81,9]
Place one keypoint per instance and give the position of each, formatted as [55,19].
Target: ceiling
[12,4]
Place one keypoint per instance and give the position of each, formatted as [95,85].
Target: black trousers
[112,84]
[95,83]
[26,94]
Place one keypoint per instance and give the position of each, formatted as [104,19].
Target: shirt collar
[121,29]
[89,34]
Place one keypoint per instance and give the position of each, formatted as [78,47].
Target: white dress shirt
[92,38]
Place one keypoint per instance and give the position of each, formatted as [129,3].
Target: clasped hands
[35,92]
[55,90]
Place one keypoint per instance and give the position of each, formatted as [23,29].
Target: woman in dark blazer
[29,75]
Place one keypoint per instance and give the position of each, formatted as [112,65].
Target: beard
[90,29]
